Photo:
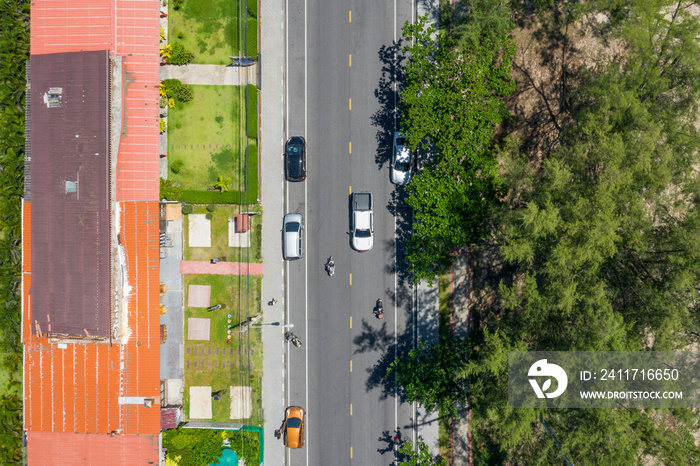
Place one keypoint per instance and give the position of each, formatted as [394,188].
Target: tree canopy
[450,105]
[599,232]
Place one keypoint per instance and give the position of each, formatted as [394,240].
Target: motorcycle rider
[380,309]
[330,266]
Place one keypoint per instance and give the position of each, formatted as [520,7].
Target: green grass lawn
[236,364]
[207,134]
[214,30]
[219,235]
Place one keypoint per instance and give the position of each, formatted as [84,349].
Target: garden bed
[208,135]
[219,236]
[216,362]
[213,30]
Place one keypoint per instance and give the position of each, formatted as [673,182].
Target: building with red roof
[90,265]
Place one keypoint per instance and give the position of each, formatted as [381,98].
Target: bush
[187,209]
[177,4]
[211,197]
[163,102]
[176,166]
[163,126]
[211,207]
[184,94]
[170,190]
[209,216]
[252,111]
[171,87]
[179,55]
[180,35]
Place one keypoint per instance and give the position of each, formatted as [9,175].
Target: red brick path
[222,268]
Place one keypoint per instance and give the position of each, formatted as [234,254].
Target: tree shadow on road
[388,91]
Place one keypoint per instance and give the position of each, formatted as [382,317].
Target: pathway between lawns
[221,268]
[217,75]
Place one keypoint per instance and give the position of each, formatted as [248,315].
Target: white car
[292,237]
[401,161]
[362,222]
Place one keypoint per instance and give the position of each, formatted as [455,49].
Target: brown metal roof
[69,108]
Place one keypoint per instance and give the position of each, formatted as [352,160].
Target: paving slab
[199,296]
[241,402]
[198,328]
[236,239]
[200,403]
[200,231]
[221,268]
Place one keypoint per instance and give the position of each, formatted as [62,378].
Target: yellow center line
[350,147]
[350,279]
[351,365]
[350,16]
[350,189]
[350,321]
[349,104]
[350,409]
[350,60]
[350,452]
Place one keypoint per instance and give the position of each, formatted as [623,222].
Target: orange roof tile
[75,387]
[62,448]
[72,391]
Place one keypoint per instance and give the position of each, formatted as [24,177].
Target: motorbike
[379,310]
[330,267]
[296,341]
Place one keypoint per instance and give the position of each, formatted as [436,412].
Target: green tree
[196,447]
[420,457]
[430,374]
[222,184]
[450,105]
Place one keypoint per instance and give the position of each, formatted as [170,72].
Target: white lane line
[306,214]
[396,329]
[285,83]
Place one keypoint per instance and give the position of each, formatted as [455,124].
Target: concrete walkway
[215,75]
[222,268]
[271,143]
[461,288]
[428,329]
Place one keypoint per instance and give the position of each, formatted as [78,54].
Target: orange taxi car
[294,427]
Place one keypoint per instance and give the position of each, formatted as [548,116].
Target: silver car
[293,237]
[401,161]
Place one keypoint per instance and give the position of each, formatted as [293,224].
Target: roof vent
[52,99]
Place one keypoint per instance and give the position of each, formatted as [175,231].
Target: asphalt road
[340,97]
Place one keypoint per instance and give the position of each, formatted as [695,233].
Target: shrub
[170,190]
[209,216]
[162,125]
[180,35]
[179,55]
[163,102]
[211,207]
[171,87]
[187,209]
[211,197]
[252,111]
[176,166]
[184,94]
[177,4]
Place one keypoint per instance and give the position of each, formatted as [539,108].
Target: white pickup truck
[362,221]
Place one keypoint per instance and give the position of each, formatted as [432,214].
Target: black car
[295,158]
